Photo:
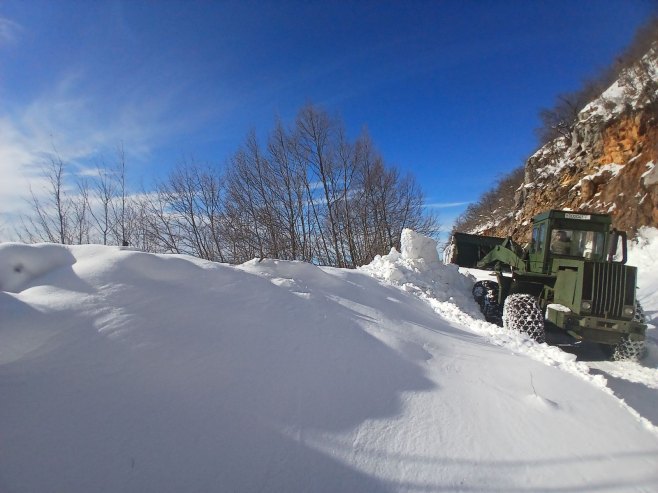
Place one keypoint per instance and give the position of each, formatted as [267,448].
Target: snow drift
[643,253]
[127,371]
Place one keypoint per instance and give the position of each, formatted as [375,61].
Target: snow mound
[419,269]
[418,247]
[166,268]
[21,264]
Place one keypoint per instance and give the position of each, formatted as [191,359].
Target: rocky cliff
[609,162]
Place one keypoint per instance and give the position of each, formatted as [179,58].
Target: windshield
[577,243]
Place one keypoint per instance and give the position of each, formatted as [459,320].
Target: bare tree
[51,214]
[287,182]
[101,209]
[160,224]
[186,214]
[245,207]
[559,121]
[80,212]
[315,138]
[120,206]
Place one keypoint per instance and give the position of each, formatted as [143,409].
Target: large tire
[628,350]
[485,294]
[521,313]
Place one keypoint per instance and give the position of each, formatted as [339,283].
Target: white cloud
[445,205]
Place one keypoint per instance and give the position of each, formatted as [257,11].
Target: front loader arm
[504,254]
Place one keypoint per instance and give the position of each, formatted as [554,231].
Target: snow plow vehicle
[570,283]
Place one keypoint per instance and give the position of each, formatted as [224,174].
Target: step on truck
[571,281]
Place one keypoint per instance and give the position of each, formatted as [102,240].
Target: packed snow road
[126,371]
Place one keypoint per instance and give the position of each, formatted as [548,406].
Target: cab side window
[538,236]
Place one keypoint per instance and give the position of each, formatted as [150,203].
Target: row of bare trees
[306,193]
[311,194]
[90,209]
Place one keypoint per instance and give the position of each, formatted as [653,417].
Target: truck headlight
[586,306]
[629,311]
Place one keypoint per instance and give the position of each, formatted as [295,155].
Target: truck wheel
[631,350]
[521,313]
[485,294]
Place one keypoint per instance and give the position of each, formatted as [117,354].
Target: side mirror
[614,243]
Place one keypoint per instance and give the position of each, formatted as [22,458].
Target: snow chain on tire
[521,313]
[628,350]
[639,315]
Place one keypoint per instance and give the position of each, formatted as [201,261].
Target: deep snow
[127,371]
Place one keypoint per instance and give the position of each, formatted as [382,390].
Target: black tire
[485,290]
[485,294]
[521,313]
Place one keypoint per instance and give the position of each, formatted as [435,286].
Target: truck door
[538,247]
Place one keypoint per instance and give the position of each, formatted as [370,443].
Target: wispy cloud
[445,205]
[79,125]
[9,31]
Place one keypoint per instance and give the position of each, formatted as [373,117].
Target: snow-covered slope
[633,89]
[126,371]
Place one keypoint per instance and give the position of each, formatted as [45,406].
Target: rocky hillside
[608,162]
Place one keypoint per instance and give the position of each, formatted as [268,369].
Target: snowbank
[643,253]
[125,371]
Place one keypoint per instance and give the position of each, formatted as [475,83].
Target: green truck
[571,281]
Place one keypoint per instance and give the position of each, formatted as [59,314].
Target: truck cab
[560,235]
[593,293]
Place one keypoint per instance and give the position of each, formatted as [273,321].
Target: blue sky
[448,90]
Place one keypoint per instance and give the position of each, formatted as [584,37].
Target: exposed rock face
[609,163]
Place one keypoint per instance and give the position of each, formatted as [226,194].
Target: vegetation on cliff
[598,150]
